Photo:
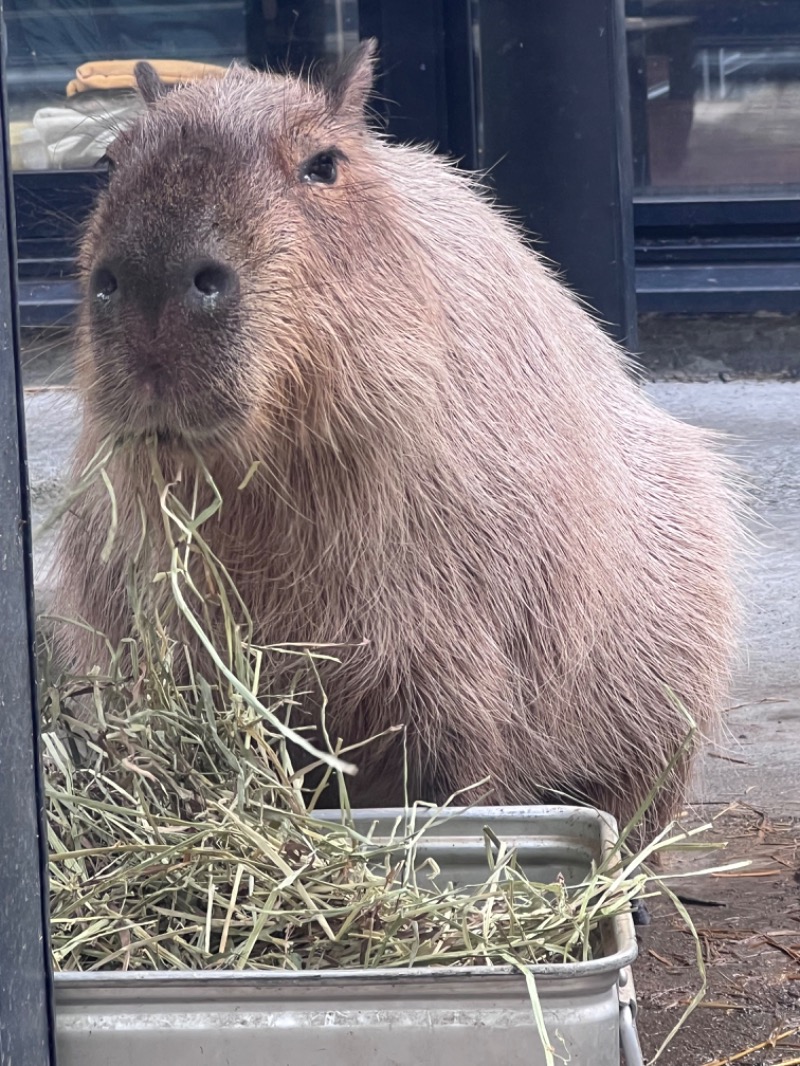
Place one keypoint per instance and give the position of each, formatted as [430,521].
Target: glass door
[719,82]
[715,109]
[70,87]
[70,61]
[475,78]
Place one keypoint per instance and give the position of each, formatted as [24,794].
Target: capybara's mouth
[198,440]
[173,403]
[184,427]
[173,417]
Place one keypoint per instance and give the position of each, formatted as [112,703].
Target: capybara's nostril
[212,285]
[103,284]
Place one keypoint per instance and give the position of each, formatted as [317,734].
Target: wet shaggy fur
[459,482]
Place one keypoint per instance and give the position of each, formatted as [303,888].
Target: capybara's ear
[151,87]
[350,83]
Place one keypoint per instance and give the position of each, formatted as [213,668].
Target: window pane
[63,117]
[715,95]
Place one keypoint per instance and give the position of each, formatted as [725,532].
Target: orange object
[118,73]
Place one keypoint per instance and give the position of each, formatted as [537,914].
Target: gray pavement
[758,758]
[52,423]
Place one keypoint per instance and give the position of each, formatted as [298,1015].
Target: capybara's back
[523,560]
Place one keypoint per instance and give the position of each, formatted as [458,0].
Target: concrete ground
[759,758]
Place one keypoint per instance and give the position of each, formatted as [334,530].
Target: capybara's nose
[209,285]
[200,285]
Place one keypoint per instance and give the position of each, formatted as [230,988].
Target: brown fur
[459,481]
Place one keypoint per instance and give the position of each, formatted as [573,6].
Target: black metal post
[556,134]
[411,86]
[26,1011]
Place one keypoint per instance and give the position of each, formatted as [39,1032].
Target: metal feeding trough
[421,1017]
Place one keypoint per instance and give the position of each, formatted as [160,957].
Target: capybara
[518,556]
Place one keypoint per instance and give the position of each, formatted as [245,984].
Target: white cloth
[77,135]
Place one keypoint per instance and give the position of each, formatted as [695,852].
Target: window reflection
[70,61]
[715,94]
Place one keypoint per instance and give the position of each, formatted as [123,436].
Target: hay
[181,837]
[181,846]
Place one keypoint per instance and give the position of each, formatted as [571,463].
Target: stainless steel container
[420,1017]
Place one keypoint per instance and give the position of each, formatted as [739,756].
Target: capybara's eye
[321,169]
[104,285]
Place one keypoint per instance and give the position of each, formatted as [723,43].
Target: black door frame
[26,986]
